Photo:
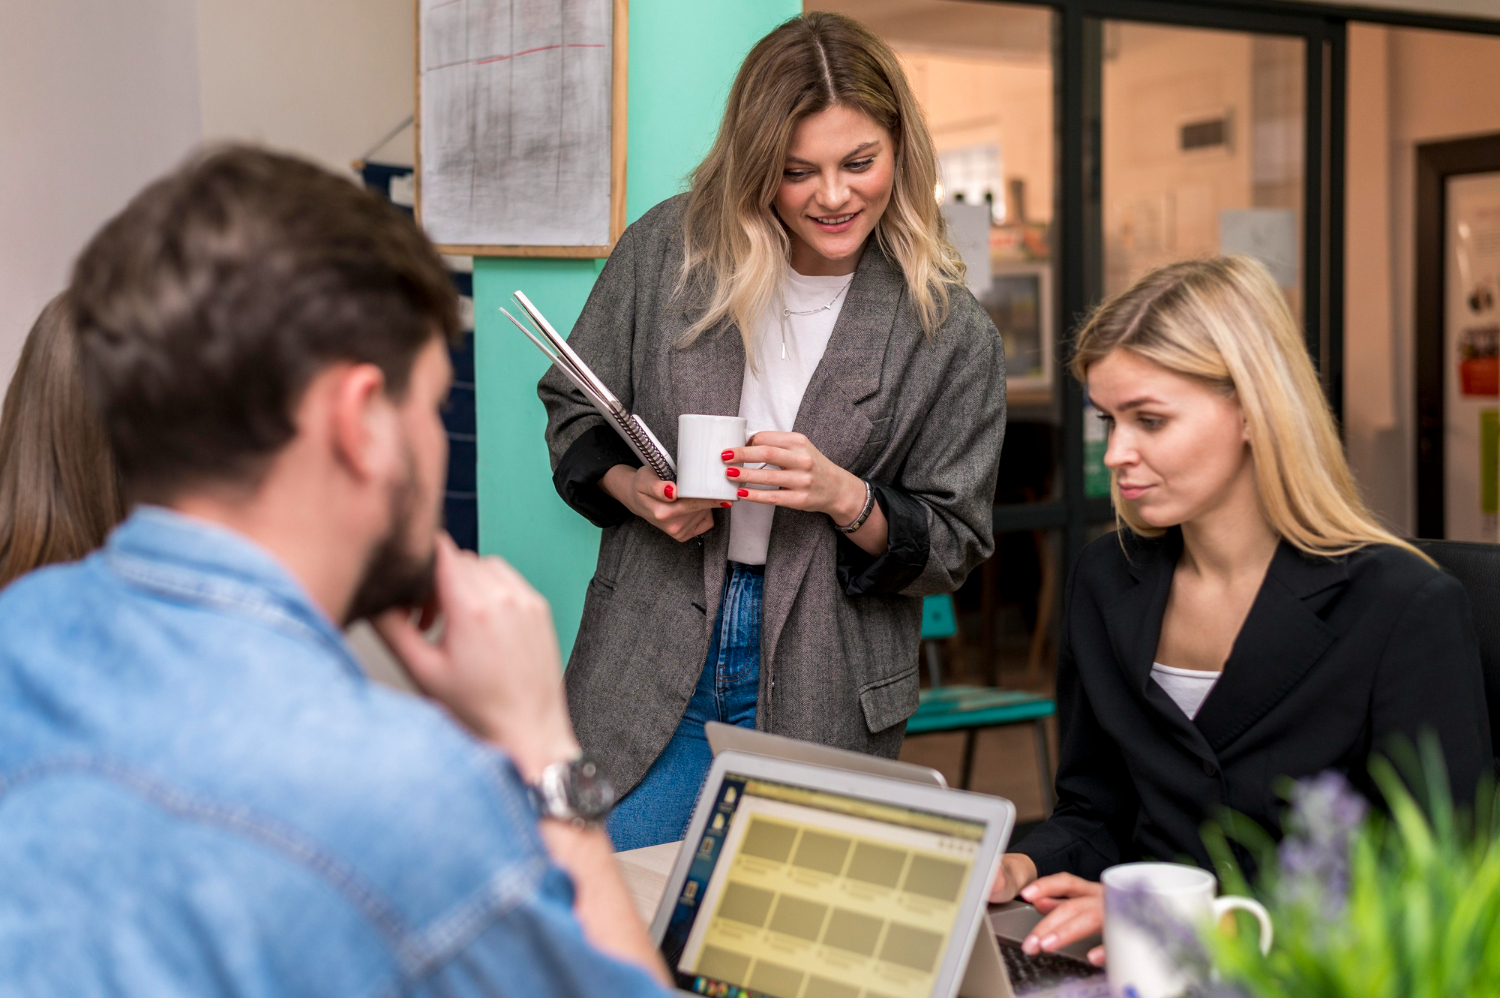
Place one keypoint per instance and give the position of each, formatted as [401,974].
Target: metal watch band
[574,791]
[864,514]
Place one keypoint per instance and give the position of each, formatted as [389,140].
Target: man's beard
[394,576]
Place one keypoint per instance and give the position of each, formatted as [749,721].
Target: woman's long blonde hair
[736,244]
[1222,321]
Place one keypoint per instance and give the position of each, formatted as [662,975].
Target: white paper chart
[515,122]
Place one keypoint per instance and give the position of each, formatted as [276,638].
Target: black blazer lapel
[1133,618]
[1281,639]
[1133,621]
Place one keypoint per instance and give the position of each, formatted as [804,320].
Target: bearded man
[200,791]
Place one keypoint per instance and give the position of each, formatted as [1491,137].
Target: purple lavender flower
[1179,940]
[1314,854]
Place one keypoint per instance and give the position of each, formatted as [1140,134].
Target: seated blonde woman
[60,494]
[1250,621]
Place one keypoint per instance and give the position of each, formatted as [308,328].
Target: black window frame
[1078,254]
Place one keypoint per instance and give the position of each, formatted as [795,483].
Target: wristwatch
[864,514]
[574,791]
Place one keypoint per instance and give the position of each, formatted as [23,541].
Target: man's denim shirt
[202,794]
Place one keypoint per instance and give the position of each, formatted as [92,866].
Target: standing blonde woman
[1251,621]
[805,283]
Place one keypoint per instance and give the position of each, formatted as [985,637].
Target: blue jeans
[659,807]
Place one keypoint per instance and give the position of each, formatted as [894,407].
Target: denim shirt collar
[188,560]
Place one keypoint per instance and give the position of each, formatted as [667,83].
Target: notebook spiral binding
[650,448]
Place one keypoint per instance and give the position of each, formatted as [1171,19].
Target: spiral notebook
[632,429]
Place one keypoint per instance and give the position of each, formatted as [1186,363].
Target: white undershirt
[774,385]
[1188,688]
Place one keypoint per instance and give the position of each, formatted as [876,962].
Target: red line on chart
[514,55]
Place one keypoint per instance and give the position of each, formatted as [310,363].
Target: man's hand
[496,667]
[657,502]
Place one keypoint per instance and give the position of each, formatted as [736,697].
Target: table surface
[646,872]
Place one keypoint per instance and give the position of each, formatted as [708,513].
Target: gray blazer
[924,418]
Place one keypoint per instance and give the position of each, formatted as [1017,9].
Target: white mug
[1138,962]
[701,443]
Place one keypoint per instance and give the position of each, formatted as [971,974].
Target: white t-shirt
[1188,688]
[774,385]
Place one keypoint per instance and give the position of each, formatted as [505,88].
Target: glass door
[1189,130]
[1202,150]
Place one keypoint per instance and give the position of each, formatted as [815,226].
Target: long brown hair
[1223,322]
[733,236]
[60,494]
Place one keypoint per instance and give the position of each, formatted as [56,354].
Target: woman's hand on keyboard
[1016,871]
[1073,910]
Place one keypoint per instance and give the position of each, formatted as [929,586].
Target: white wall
[98,98]
[324,78]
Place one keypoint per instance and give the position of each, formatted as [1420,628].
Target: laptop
[732,738]
[802,881]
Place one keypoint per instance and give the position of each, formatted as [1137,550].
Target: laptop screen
[800,893]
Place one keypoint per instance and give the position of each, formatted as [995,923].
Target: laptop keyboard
[1032,974]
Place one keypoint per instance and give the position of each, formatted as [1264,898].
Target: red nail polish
[742,493]
[726,505]
[728,455]
[671,492]
[733,472]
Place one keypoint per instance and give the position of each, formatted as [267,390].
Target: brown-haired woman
[805,282]
[59,492]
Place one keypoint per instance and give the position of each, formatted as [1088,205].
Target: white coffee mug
[1138,957]
[701,443]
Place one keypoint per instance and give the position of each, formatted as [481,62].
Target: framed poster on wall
[1019,302]
[521,126]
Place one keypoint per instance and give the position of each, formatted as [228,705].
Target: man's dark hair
[207,306]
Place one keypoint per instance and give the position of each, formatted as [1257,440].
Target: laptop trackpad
[1014,919]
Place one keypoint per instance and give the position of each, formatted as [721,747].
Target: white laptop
[732,738]
[800,881]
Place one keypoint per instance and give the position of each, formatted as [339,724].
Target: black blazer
[1336,656]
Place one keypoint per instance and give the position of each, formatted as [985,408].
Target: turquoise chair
[971,709]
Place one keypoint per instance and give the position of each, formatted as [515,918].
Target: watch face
[589,791]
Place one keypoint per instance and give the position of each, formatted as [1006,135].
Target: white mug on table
[1139,965]
[701,443]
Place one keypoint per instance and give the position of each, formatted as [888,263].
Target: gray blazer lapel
[848,373]
[707,377]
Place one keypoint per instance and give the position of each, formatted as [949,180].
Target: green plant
[1397,905]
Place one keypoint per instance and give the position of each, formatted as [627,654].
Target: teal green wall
[683,55]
